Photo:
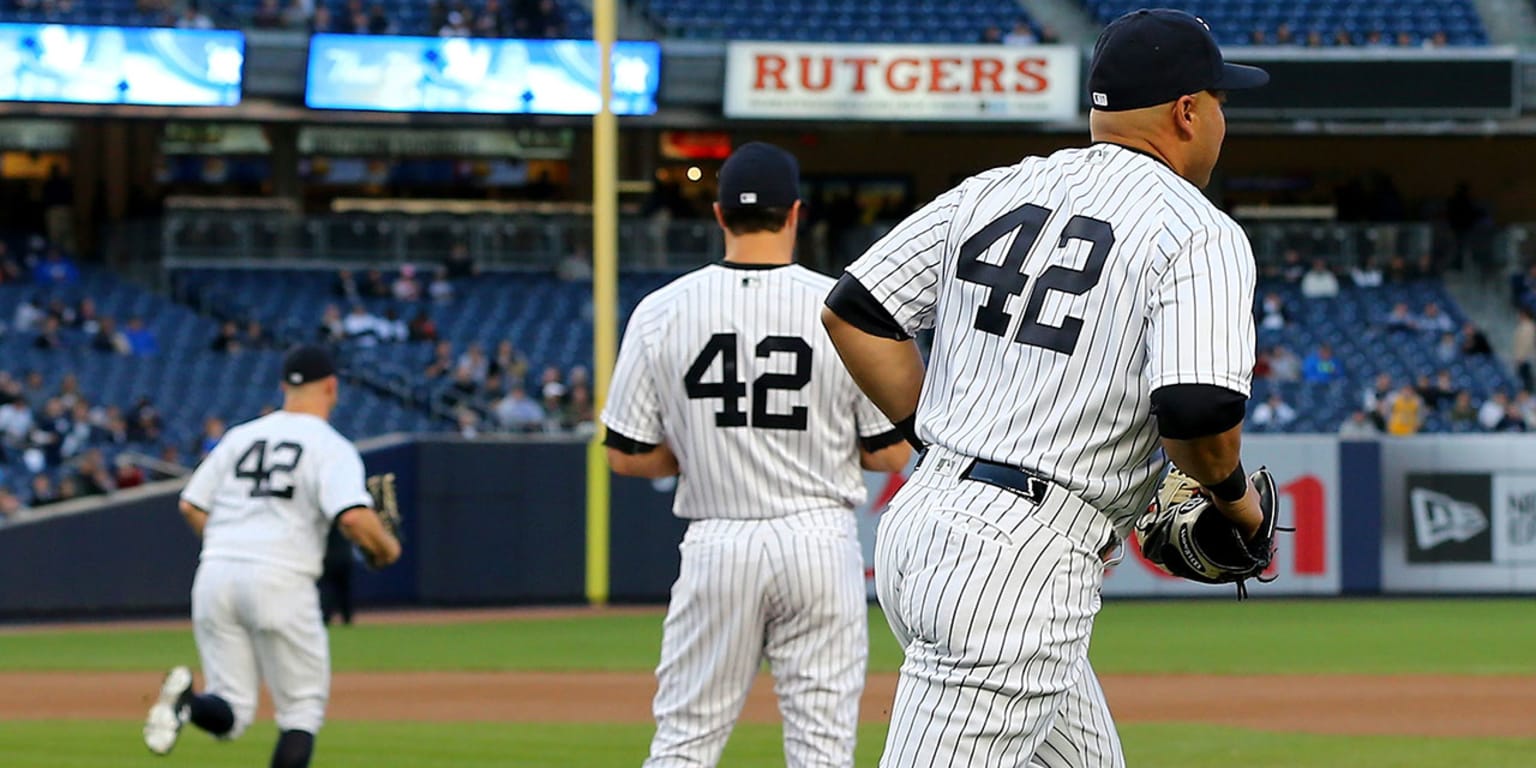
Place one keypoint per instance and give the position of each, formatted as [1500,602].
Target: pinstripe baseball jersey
[1062,291]
[730,366]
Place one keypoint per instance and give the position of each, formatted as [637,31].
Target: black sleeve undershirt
[1191,411]
[851,301]
[883,440]
[627,445]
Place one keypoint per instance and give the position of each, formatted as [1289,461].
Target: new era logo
[1100,100]
[1438,518]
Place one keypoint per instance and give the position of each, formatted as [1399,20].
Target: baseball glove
[382,489]
[1184,534]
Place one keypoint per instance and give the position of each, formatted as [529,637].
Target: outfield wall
[503,522]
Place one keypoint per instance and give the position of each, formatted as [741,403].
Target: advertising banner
[121,65]
[1305,468]
[1458,514]
[834,81]
[431,74]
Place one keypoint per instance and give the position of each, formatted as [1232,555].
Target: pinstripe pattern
[1172,306]
[993,596]
[771,563]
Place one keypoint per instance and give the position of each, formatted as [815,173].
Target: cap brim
[1238,77]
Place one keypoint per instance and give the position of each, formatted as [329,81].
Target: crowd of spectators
[461,18]
[1283,34]
[1021,33]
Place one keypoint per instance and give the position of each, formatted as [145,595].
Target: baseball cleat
[169,712]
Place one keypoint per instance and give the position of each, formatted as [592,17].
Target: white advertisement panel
[1306,468]
[1514,518]
[834,81]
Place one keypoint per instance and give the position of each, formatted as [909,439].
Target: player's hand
[1247,513]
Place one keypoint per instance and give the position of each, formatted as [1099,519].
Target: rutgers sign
[902,82]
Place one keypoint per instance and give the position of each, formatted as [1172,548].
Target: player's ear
[793,224]
[1185,110]
[720,217]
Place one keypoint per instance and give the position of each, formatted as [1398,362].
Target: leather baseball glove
[382,489]
[1184,534]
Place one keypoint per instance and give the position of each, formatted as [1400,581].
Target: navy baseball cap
[1154,56]
[307,363]
[759,175]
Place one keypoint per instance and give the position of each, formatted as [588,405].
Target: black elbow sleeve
[1192,411]
[851,301]
[626,445]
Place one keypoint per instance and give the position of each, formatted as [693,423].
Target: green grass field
[1477,637]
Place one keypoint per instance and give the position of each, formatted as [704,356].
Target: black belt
[1021,481]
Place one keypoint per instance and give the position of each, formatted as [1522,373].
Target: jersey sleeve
[901,270]
[343,484]
[633,408]
[204,483]
[1200,328]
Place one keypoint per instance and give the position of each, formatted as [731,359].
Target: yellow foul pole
[605,295]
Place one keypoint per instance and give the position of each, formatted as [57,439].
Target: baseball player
[263,501]
[1084,305]
[727,378]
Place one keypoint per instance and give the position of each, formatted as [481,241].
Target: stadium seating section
[411,17]
[1234,21]
[927,21]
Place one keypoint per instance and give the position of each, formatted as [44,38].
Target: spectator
[1374,38]
[1405,412]
[459,263]
[1274,412]
[1523,349]
[379,22]
[554,406]
[468,422]
[1319,282]
[508,362]
[1284,365]
[421,327]
[43,492]
[332,328]
[193,18]
[126,474]
[56,270]
[321,21]
[991,36]
[1401,320]
[143,422]
[1284,35]
[346,286]
[85,317]
[48,335]
[1398,271]
[492,21]
[1446,350]
[578,411]
[1367,275]
[29,313]
[392,328]
[575,267]
[473,363]
[1404,40]
[1292,270]
[1526,404]
[296,15]
[1272,312]
[1433,321]
[69,490]
[1492,411]
[1474,343]
[440,289]
[169,455]
[374,286]
[141,340]
[357,19]
[15,420]
[228,339]
[95,480]
[1021,34]
[361,327]
[464,385]
[405,287]
[1436,40]
[1314,38]
[62,312]
[578,377]
[114,428]
[268,16]
[1463,413]
[1512,420]
[213,431]
[1442,390]
[1320,367]
[69,391]
[518,412]
[1261,368]
[442,362]
[11,508]
[457,26]
[255,336]
[1357,427]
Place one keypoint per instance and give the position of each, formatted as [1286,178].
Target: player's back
[264,487]
[754,400]
[1061,278]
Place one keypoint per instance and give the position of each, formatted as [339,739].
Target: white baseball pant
[788,589]
[992,596]
[257,622]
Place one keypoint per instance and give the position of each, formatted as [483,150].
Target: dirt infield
[1353,705]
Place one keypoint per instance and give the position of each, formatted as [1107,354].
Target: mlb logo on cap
[748,198]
